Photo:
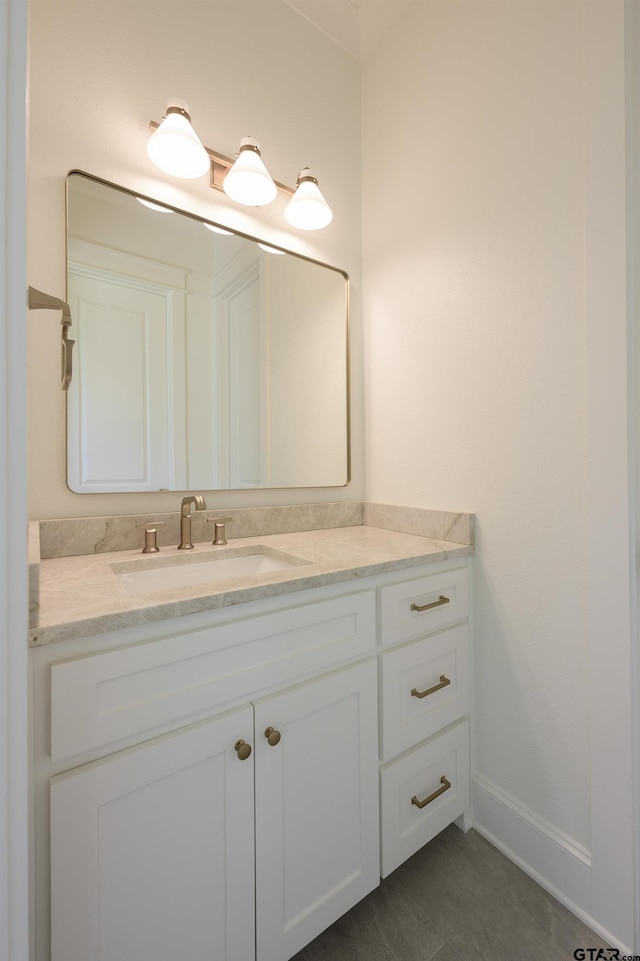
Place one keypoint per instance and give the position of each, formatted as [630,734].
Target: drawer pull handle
[427,607]
[444,681]
[243,750]
[422,804]
[272,736]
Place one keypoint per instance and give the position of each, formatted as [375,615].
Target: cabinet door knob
[243,750]
[272,736]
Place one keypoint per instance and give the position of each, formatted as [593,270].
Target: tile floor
[458,899]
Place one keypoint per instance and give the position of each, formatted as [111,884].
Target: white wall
[494,317]
[612,691]
[99,73]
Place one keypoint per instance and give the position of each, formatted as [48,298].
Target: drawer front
[425,687]
[426,604]
[104,698]
[436,773]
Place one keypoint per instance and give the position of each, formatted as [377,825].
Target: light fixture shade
[175,147]
[248,181]
[308,209]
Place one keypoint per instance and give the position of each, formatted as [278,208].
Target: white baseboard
[555,861]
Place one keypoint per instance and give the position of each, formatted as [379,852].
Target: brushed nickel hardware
[150,545]
[198,502]
[242,749]
[37,300]
[422,804]
[272,736]
[427,607]
[436,687]
[220,535]
[150,532]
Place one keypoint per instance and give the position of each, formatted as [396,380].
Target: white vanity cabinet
[152,849]
[159,835]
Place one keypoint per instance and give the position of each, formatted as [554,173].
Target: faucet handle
[220,538]
[150,531]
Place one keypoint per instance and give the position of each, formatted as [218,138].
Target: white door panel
[152,851]
[316,807]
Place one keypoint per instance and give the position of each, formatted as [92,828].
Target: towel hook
[41,301]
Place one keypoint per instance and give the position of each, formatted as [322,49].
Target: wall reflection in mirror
[204,361]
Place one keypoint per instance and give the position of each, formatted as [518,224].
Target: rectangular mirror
[203,359]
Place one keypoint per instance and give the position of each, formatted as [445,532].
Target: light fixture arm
[221,164]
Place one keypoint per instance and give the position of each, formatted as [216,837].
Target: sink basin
[210,567]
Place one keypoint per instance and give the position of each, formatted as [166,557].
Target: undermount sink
[168,573]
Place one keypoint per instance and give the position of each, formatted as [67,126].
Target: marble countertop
[81,595]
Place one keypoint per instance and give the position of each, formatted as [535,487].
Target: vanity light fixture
[308,209]
[175,148]
[249,182]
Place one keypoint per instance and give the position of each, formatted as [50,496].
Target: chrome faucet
[185,519]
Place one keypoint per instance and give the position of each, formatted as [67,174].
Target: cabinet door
[317,838]
[152,850]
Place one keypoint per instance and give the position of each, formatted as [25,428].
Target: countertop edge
[101,624]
